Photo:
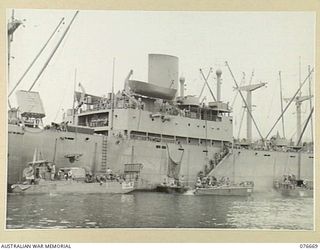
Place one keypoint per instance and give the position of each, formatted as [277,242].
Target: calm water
[157,210]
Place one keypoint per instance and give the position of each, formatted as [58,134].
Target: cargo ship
[138,130]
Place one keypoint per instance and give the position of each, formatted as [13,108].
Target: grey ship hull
[99,152]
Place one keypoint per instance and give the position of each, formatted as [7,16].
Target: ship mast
[299,99]
[112,94]
[36,57]
[281,103]
[12,27]
[291,100]
[74,96]
[299,141]
[249,89]
[219,73]
[311,121]
[243,80]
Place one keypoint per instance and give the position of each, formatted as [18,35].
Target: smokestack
[218,73]
[182,80]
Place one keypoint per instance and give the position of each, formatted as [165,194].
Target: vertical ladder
[104,153]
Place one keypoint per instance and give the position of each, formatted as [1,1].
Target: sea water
[159,210]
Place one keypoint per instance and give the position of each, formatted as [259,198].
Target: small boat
[243,189]
[299,188]
[210,185]
[41,178]
[289,185]
[176,182]
[74,187]
[292,186]
[171,189]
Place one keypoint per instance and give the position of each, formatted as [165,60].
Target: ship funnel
[182,81]
[162,78]
[218,73]
[163,70]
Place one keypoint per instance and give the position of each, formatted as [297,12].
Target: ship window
[198,126]
[311,157]
[218,128]
[266,155]
[164,147]
[204,126]
[158,146]
[292,156]
[189,124]
[116,116]
[152,119]
[87,138]
[66,138]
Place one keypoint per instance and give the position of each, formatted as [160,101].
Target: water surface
[159,210]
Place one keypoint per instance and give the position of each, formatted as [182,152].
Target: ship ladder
[104,154]
[220,163]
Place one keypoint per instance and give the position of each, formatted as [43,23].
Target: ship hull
[296,193]
[263,167]
[98,152]
[171,189]
[224,191]
[73,187]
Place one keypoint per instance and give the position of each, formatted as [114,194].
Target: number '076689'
[308,245]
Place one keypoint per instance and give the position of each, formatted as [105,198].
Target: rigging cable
[241,83]
[270,105]
[285,109]
[305,126]
[204,84]
[35,59]
[205,80]
[59,52]
[243,99]
[53,52]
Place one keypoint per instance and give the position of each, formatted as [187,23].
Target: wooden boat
[175,185]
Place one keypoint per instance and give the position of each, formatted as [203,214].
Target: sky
[263,42]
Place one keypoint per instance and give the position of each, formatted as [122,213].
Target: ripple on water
[65,222]
[51,221]
[91,223]
[152,210]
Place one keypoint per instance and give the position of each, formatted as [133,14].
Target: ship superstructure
[151,116]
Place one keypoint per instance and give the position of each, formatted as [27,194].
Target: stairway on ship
[219,163]
[103,168]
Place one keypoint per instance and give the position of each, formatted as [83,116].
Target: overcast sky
[265,42]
